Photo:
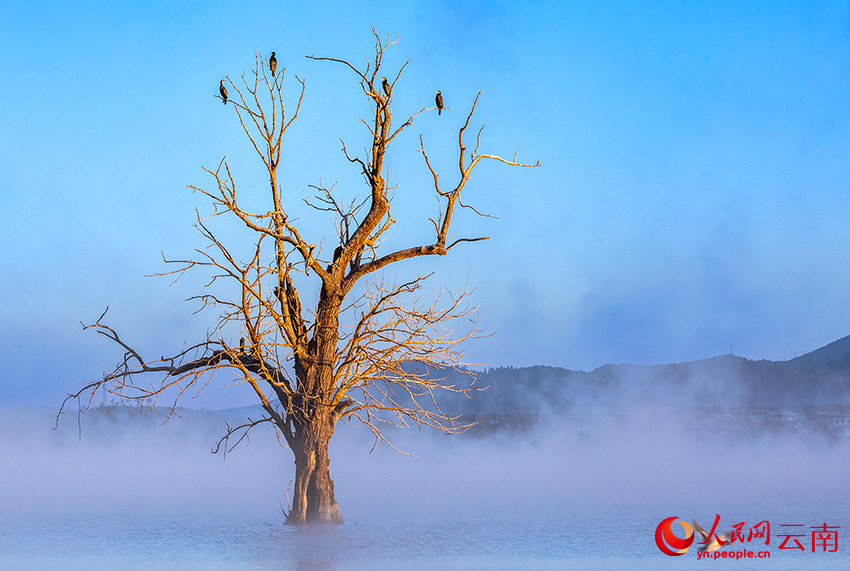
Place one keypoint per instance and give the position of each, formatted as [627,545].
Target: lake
[129,497]
[552,539]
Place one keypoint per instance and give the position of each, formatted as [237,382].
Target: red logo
[664,536]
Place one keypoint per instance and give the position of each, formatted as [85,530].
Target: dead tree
[367,356]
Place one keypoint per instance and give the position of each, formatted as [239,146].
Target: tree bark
[313,499]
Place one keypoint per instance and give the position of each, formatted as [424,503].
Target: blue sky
[693,193]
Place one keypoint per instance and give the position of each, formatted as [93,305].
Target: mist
[647,457]
[529,489]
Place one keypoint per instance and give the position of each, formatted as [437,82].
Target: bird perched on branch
[439,100]
[386,85]
[273,64]
[223,90]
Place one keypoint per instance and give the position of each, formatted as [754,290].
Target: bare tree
[362,355]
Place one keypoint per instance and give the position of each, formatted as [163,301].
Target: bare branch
[231,431]
[371,354]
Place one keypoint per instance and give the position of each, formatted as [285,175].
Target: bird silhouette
[223,90]
[439,100]
[273,64]
[385,84]
[714,544]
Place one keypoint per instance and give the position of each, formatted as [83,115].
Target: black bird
[385,84]
[439,100]
[273,64]
[223,90]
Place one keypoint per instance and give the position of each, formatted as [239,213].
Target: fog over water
[573,492]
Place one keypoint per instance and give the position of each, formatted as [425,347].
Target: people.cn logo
[664,536]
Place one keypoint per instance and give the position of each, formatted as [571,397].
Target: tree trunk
[313,494]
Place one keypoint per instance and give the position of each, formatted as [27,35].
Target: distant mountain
[811,386]
[835,351]
[819,377]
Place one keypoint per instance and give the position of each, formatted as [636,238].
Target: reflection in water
[554,539]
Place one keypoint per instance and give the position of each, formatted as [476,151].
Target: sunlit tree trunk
[313,491]
[313,421]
